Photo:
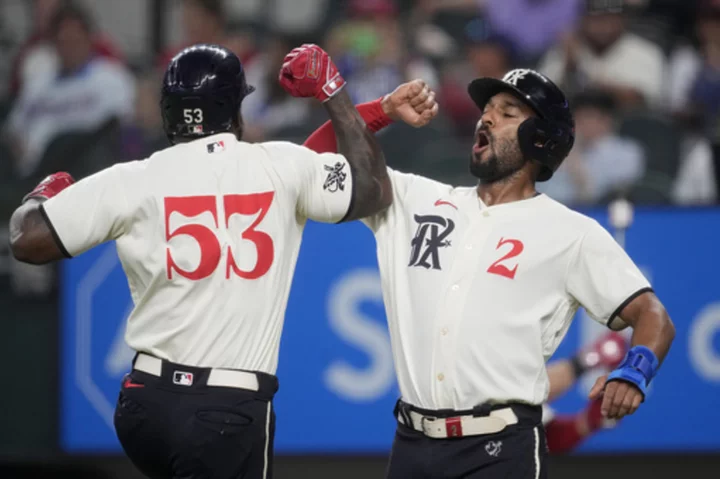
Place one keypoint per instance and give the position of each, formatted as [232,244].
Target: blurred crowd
[643,78]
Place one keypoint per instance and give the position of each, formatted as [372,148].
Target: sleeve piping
[54,233]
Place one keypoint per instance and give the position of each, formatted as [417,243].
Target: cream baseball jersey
[479,297]
[208,234]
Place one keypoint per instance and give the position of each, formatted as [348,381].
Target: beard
[504,161]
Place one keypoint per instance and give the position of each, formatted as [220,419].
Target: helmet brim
[482,89]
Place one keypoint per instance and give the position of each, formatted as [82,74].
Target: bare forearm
[654,330]
[651,324]
[372,189]
[373,113]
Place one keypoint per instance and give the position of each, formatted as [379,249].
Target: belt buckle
[453,426]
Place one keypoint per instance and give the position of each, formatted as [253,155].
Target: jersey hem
[54,233]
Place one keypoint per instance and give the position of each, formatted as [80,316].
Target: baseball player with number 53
[480,285]
[208,232]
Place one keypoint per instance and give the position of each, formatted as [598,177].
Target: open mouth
[483,142]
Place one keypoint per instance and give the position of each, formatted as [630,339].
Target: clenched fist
[412,102]
[308,71]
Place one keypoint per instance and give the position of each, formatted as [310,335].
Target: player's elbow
[22,251]
[668,328]
[24,243]
[662,321]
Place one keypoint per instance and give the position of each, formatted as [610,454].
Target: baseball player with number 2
[480,285]
[208,232]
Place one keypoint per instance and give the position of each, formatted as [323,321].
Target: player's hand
[594,418]
[620,398]
[412,102]
[308,71]
[51,186]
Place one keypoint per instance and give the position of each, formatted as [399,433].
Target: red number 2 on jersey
[210,252]
[501,269]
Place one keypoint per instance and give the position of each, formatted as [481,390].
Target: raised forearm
[373,114]
[372,190]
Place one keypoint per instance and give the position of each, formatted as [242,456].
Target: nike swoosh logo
[129,384]
[443,202]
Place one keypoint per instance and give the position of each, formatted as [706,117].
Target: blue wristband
[638,368]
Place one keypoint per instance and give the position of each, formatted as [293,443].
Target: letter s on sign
[370,336]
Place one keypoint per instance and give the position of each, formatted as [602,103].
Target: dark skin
[505,176]
[32,241]
[372,190]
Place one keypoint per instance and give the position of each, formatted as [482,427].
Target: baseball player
[480,285]
[208,233]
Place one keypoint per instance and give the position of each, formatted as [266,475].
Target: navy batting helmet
[547,138]
[203,88]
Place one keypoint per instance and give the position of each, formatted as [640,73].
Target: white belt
[460,426]
[228,378]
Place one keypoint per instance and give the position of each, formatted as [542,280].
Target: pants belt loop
[408,418]
[401,409]
[480,410]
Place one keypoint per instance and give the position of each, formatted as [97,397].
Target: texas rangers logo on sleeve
[431,235]
[336,177]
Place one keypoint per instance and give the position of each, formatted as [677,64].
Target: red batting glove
[607,352]
[308,71]
[50,186]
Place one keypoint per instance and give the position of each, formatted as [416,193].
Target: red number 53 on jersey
[207,239]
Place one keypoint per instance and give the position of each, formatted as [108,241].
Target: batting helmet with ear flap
[203,88]
[546,138]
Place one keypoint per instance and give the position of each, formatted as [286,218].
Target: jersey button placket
[478,233]
[440,385]
[445,337]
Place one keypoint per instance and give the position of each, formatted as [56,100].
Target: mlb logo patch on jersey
[216,146]
[182,378]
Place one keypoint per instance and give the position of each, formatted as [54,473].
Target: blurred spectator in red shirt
[37,59]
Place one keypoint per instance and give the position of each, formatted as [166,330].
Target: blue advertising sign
[337,383]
